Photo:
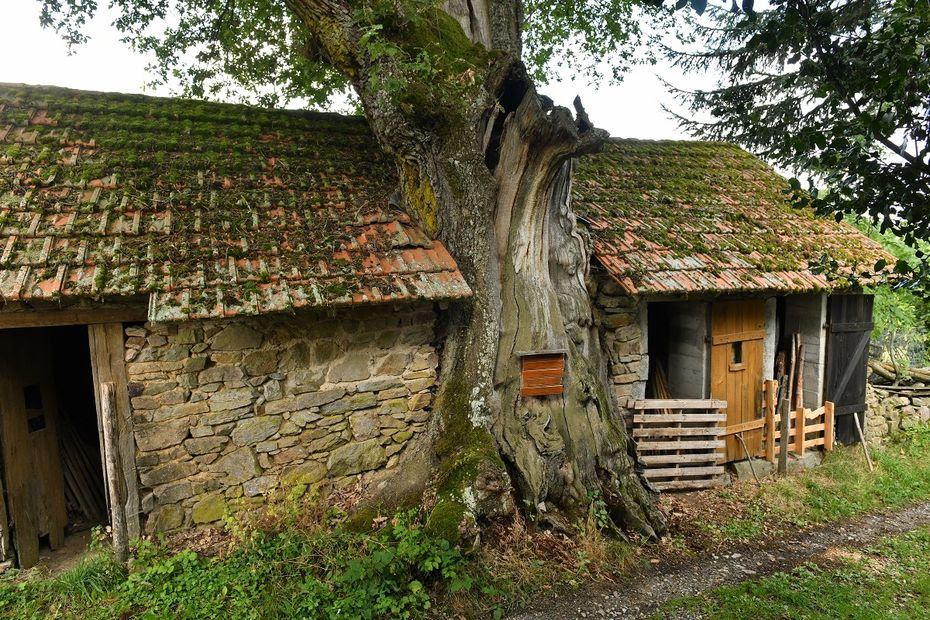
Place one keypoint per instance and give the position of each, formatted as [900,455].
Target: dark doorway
[78,432]
[51,474]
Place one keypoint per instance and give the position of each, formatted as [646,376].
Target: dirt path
[646,590]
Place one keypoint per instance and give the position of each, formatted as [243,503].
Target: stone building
[704,271]
[268,318]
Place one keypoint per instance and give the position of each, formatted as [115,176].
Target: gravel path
[643,592]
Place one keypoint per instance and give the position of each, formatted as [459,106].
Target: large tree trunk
[492,180]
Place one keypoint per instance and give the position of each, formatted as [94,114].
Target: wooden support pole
[828,426]
[784,405]
[799,424]
[771,393]
[865,446]
[111,460]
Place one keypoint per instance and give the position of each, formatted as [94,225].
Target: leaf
[880,264]
[681,4]
[699,6]
[747,6]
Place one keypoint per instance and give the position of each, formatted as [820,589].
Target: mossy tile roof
[676,217]
[211,209]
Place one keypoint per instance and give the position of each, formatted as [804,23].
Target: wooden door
[849,331]
[31,461]
[737,334]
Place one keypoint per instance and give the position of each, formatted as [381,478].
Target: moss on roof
[688,216]
[215,209]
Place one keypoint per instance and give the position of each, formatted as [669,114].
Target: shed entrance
[51,473]
[737,335]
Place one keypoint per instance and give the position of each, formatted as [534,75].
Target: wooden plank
[678,432]
[660,459]
[677,403]
[82,316]
[543,373]
[813,442]
[800,423]
[754,334]
[680,445]
[542,391]
[112,460]
[555,362]
[664,472]
[828,426]
[742,427]
[108,363]
[648,418]
[813,428]
[771,392]
[681,485]
[813,414]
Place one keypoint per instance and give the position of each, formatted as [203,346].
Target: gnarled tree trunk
[492,180]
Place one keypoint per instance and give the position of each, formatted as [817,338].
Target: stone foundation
[890,413]
[622,323]
[226,411]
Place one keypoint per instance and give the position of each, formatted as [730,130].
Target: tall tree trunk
[492,180]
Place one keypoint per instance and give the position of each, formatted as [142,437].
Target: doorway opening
[53,481]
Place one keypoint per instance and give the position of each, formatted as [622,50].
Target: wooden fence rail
[807,428]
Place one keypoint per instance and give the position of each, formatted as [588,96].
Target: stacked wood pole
[111,460]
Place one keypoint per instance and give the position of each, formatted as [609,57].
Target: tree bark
[493,181]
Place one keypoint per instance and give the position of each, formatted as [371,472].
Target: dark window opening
[32,395]
[35,423]
[736,352]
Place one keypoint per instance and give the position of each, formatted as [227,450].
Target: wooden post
[771,393]
[865,446]
[800,422]
[828,426]
[111,461]
[784,406]
[798,398]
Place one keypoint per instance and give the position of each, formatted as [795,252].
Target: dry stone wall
[620,319]
[890,413]
[226,411]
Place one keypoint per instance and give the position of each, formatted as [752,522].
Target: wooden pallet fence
[807,428]
[678,442]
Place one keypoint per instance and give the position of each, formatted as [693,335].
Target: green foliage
[901,314]
[836,90]
[891,579]
[589,37]
[323,572]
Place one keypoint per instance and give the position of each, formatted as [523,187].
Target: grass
[890,579]
[296,560]
[841,487]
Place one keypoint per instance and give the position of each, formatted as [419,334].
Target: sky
[33,55]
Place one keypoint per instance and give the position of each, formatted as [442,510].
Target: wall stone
[619,317]
[891,412]
[228,411]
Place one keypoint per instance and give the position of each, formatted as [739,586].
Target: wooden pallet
[678,442]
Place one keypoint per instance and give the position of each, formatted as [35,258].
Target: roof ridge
[155,99]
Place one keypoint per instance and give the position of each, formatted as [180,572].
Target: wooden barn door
[849,331]
[737,334]
[31,462]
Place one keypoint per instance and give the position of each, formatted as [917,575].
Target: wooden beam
[679,417]
[111,460]
[678,485]
[756,334]
[712,431]
[41,317]
[676,403]
[680,445]
[107,353]
[664,472]
[752,425]
[680,458]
